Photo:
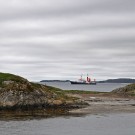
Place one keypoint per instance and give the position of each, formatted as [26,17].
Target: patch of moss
[10,77]
[57,91]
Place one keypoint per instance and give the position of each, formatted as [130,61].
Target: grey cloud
[38,9]
[60,39]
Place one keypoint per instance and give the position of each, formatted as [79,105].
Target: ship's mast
[87,78]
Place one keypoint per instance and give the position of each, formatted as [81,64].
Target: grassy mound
[11,77]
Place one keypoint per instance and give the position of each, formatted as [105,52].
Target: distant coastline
[118,80]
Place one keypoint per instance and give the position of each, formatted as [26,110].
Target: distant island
[119,80]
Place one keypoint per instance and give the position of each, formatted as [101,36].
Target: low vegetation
[10,77]
[128,90]
[18,93]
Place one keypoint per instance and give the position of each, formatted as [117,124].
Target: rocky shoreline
[99,104]
[20,97]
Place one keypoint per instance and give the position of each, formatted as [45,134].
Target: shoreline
[99,104]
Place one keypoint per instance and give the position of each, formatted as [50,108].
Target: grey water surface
[107,124]
[104,87]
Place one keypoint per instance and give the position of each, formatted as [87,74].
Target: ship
[88,81]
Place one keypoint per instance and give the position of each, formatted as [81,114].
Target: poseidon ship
[88,81]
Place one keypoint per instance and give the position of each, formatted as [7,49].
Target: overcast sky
[61,39]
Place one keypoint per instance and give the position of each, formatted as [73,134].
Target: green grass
[57,90]
[62,93]
[10,77]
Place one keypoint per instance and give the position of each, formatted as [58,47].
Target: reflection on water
[109,124]
[37,114]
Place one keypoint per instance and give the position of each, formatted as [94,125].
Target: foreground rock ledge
[17,93]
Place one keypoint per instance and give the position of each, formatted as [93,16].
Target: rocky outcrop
[18,93]
[128,90]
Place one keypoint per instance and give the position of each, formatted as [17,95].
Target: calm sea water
[107,124]
[105,87]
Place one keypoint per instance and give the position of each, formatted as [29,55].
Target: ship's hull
[91,83]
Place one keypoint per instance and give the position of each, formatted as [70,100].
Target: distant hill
[119,80]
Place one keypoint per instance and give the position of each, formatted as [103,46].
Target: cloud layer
[61,39]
